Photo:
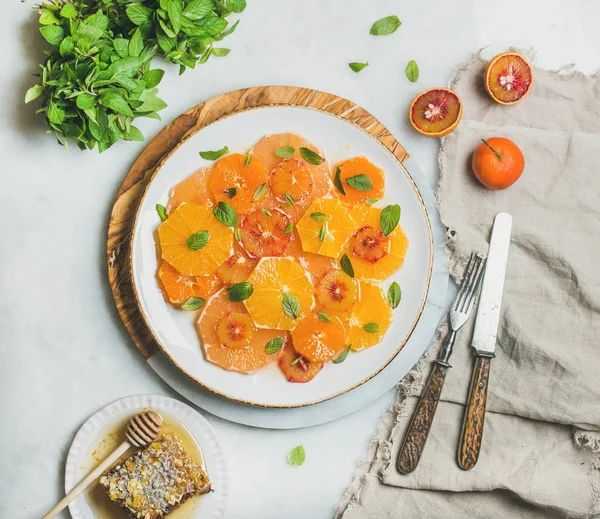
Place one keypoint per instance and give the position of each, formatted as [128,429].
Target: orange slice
[296,368]
[178,228]
[337,292]
[271,280]
[508,78]
[328,234]
[180,288]
[223,318]
[317,340]
[316,264]
[265,151]
[351,169]
[263,232]
[193,190]
[435,112]
[371,264]
[231,173]
[292,177]
[370,318]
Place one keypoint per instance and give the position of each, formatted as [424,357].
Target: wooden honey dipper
[142,430]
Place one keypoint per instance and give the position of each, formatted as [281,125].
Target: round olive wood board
[169,139]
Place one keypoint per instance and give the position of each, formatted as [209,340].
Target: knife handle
[472,430]
[418,430]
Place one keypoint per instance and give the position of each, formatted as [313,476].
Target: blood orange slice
[230,339]
[508,78]
[193,190]
[435,112]
[337,292]
[235,180]
[179,288]
[263,233]
[319,340]
[237,267]
[296,368]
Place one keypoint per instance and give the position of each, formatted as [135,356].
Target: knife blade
[484,340]
[488,311]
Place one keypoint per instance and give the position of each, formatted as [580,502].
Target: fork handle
[418,430]
[472,430]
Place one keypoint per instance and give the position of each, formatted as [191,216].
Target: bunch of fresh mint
[97,78]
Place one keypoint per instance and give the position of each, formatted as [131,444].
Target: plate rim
[292,104]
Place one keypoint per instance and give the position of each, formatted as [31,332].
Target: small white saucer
[210,506]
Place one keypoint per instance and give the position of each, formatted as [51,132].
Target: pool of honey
[109,439]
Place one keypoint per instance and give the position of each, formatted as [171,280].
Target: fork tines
[470,283]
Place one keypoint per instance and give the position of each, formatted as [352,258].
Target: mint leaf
[289,199]
[285,152]
[266,211]
[220,52]
[193,303]
[318,217]
[346,265]
[239,292]
[259,192]
[237,6]
[153,77]
[214,155]
[238,234]
[68,11]
[291,306]
[248,159]
[337,181]
[371,201]
[311,157]
[198,9]
[412,71]
[113,100]
[274,345]
[360,182]
[296,456]
[389,218]
[175,13]
[230,192]
[325,317]
[48,18]
[139,15]
[356,66]
[342,356]
[226,214]
[162,212]
[53,34]
[198,240]
[322,232]
[136,44]
[121,45]
[385,26]
[394,295]
[371,328]
[289,229]
[33,93]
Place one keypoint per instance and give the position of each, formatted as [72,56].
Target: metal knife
[484,340]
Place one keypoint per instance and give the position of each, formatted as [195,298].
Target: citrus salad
[282,256]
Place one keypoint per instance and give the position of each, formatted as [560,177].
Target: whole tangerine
[498,162]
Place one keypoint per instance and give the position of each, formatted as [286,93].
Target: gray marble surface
[64,350]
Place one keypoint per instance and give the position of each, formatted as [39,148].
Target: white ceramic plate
[210,506]
[174,330]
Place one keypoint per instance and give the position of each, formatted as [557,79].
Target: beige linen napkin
[540,454]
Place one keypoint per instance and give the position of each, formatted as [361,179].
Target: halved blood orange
[180,288]
[235,180]
[435,112]
[183,223]
[374,257]
[295,367]
[318,340]
[265,151]
[237,267]
[508,78]
[230,339]
[193,190]
[371,317]
[337,292]
[263,233]
[352,168]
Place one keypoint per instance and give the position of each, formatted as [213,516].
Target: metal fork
[419,427]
